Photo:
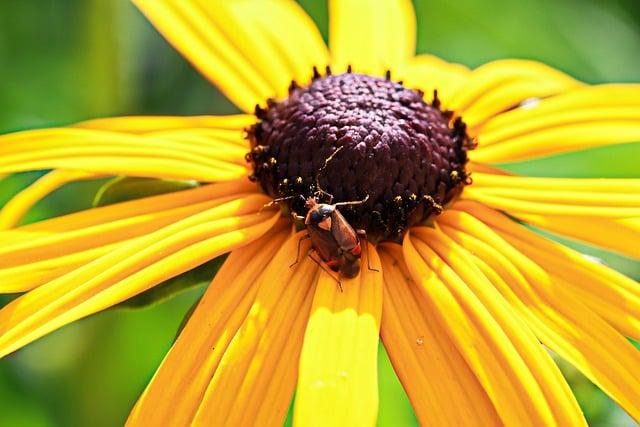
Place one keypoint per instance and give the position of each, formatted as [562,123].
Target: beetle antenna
[357,202]
[275,202]
[326,162]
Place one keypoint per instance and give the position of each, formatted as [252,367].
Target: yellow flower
[463,305]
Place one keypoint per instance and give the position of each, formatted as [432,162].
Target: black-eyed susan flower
[465,298]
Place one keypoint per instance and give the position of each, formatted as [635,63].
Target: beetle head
[310,203]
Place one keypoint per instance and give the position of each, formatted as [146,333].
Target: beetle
[332,237]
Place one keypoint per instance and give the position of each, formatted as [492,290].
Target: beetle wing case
[342,232]
[324,243]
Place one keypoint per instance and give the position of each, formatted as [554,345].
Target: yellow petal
[237,45]
[474,167]
[558,396]
[36,272]
[20,204]
[518,201]
[103,226]
[131,269]
[562,397]
[222,145]
[233,137]
[111,153]
[586,103]
[555,196]
[501,85]
[429,73]
[187,369]
[620,235]
[561,320]
[495,179]
[625,320]
[560,196]
[509,95]
[607,296]
[146,124]
[221,137]
[266,347]
[371,38]
[566,256]
[338,382]
[559,139]
[135,207]
[285,51]
[442,388]
[188,28]
[586,117]
[546,398]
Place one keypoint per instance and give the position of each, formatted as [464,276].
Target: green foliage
[70,198]
[199,276]
[615,161]
[395,411]
[122,189]
[593,40]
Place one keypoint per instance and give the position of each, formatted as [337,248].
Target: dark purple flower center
[358,136]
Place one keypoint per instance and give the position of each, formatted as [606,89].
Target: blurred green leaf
[122,189]
[395,409]
[594,40]
[288,421]
[6,299]
[72,197]
[597,407]
[613,161]
[199,276]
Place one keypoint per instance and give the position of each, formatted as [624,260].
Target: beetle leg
[366,245]
[296,217]
[298,252]
[320,264]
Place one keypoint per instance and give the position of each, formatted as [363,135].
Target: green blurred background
[62,61]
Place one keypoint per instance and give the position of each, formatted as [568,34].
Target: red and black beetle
[332,237]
